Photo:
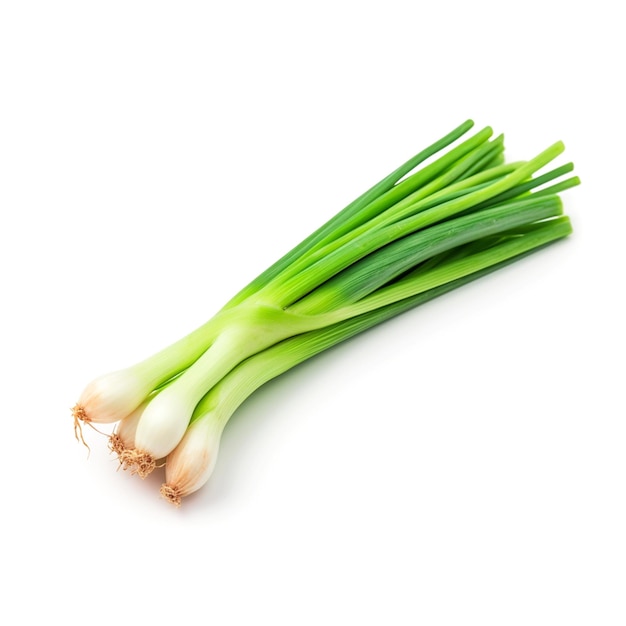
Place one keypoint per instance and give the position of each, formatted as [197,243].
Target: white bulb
[163,423]
[192,462]
[111,397]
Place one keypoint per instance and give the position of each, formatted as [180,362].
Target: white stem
[192,462]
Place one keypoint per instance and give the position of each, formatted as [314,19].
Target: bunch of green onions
[452,213]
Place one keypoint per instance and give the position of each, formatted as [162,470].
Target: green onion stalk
[452,213]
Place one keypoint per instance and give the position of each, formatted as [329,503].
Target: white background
[463,464]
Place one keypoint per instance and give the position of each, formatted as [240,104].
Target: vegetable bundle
[449,215]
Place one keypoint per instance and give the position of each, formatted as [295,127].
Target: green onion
[445,217]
